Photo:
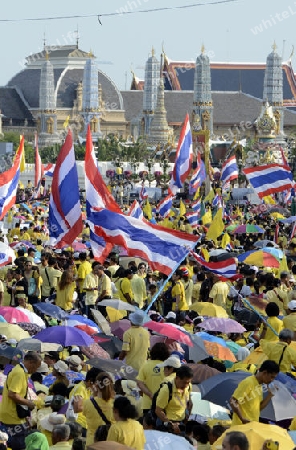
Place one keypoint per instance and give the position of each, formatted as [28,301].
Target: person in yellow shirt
[151,374]
[125,287]
[280,352]
[219,292]
[289,321]
[272,311]
[170,367]
[136,341]
[104,285]
[247,400]
[65,291]
[178,292]
[83,270]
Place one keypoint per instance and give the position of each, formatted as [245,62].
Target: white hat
[3,437]
[255,268]
[172,361]
[43,368]
[60,366]
[75,361]
[171,315]
[53,419]
[292,305]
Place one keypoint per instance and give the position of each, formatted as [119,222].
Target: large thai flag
[199,174]
[48,169]
[162,248]
[192,218]
[9,182]
[229,170]
[136,210]
[196,206]
[269,179]
[224,269]
[97,197]
[164,207]
[183,159]
[65,219]
[39,171]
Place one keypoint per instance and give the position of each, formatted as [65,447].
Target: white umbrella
[33,317]
[117,304]
[165,441]
[282,405]
[264,242]
[37,346]
[203,409]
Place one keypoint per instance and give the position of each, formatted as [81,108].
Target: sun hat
[43,368]
[137,318]
[292,305]
[60,366]
[49,422]
[75,361]
[170,315]
[172,361]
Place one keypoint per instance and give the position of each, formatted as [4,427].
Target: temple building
[202,94]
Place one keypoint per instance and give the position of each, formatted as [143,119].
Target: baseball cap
[170,315]
[172,361]
[292,305]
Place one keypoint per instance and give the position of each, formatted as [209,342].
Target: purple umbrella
[65,336]
[119,327]
[221,324]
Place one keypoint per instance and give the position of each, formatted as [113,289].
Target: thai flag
[39,171]
[48,169]
[229,170]
[199,174]
[196,206]
[9,182]
[65,219]
[287,197]
[97,196]
[269,179]
[224,269]
[192,218]
[164,207]
[136,210]
[217,201]
[143,195]
[162,248]
[183,159]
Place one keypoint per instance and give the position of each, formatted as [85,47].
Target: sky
[242,30]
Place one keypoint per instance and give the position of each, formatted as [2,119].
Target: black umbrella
[224,256]
[111,344]
[114,366]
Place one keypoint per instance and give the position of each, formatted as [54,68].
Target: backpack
[154,399]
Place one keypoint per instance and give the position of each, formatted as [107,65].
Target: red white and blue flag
[164,207]
[48,169]
[39,171]
[65,219]
[143,195]
[224,269]
[97,197]
[229,170]
[196,206]
[162,248]
[199,174]
[136,210]
[284,159]
[217,201]
[9,182]
[192,218]
[267,180]
[184,156]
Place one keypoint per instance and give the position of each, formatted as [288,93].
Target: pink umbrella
[119,327]
[221,324]
[13,315]
[170,331]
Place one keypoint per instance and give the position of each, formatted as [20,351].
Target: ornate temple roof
[57,51]
[13,107]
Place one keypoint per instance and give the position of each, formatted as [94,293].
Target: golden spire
[202,49]
[46,55]
[153,51]
[274,46]
[90,54]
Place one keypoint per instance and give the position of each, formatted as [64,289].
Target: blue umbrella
[219,388]
[289,382]
[83,320]
[2,319]
[209,337]
[65,336]
[70,374]
[290,219]
[51,310]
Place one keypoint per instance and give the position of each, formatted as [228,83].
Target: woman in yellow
[272,311]
[278,296]
[65,290]
[126,431]
[178,292]
[103,396]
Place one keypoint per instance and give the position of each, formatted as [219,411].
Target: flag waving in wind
[164,207]
[9,181]
[183,159]
[269,179]
[65,219]
[229,170]
[48,169]
[136,210]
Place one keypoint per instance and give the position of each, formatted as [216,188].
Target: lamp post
[149,165]
[135,165]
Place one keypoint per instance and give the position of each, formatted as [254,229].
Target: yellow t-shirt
[178,289]
[125,287]
[93,419]
[64,298]
[136,342]
[81,389]
[17,381]
[91,281]
[249,395]
[152,376]
[139,290]
[105,285]
[290,321]
[274,351]
[128,432]
[219,293]
[83,270]
[279,297]
[277,325]
[175,409]
[49,282]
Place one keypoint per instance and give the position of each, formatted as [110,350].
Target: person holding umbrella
[247,400]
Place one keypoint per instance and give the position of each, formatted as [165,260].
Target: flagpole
[154,298]
[261,317]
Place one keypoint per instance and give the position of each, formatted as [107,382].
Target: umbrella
[12,331]
[31,328]
[257,433]
[220,388]
[169,331]
[282,405]
[112,344]
[224,325]
[262,259]
[281,210]
[195,353]
[13,315]
[231,227]
[224,256]
[289,382]
[101,321]
[165,441]
[208,309]
[2,319]
[219,351]
[202,372]
[290,219]
[10,353]
[65,336]
[33,318]
[37,346]
[292,434]
[87,329]
[277,215]
[114,315]
[51,310]
[117,304]
[211,338]
[77,319]
[263,243]
[217,252]
[208,410]
[95,351]
[70,374]
[276,252]
[118,328]
[247,317]
[248,229]
[114,366]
